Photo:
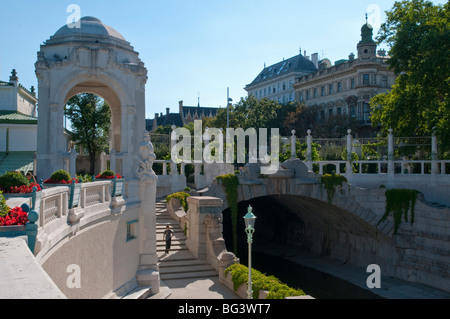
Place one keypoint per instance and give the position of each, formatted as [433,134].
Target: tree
[90,118]
[417,33]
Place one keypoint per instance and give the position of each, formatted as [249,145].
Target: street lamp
[249,229]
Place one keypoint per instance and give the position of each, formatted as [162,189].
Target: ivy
[330,182]
[182,196]
[400,202]
[231,182]
[260,281]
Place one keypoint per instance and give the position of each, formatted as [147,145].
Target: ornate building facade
[347,87]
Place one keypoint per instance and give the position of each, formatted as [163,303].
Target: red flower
[16,216]
[108,177]
[54,181]
[24,189]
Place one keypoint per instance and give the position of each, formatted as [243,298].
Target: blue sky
[193,47]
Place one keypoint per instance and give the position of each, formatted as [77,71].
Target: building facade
[18,126]
[186,115]
[276,81]
[347,86]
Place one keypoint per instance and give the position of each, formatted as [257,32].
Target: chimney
[351,57]
[315,59]
[167,111]
[180,105]
[381,52]
[14,78]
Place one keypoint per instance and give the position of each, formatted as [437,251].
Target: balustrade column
[73,162]
[434,165]
[309,151]
[348,164]
[293,146]
[390,169]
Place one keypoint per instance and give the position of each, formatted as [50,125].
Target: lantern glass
[250,219]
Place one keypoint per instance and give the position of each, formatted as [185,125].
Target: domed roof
[90,26]
[366,33]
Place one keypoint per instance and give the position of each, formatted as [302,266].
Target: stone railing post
[293,145]
[434,150]
[112,160]
[390,169]
[309,150]
[348,164]
[201,210]
[148,273]
[73,162]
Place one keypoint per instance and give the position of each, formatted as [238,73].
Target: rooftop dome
[90,26]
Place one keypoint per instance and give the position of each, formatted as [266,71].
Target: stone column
[434,151]
[148,273]
[348,164]
[199,209]
[391,168]
[73,162]
[293,146]
[309,151]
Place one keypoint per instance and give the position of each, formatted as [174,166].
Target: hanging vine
[400,201]
[330,182]
[231,182]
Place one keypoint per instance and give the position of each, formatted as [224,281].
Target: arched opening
[87,121]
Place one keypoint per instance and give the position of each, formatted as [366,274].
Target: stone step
[190,275]
[185,268]
[172,248]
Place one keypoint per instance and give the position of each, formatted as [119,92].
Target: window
[366,111]
[284,86]
[330,112]
[274,89]
[352,111]
[322,91]
[300,97]
[330,89]
[384,82]
[269,89]
[339,85]
[290,83]
[291,97]
[366,78]
[315,92]
[374,78]
[132,230]
[352,85]
[256,94]
[307,94]
[279,87]
[339,110]
[265,92]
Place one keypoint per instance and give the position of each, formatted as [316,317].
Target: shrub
[277,289]
[4,209]
[182,196]
[11,180]
[108,174]
[60,176]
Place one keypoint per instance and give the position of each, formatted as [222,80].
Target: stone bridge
[348,229]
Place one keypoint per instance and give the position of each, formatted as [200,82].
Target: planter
[34,198]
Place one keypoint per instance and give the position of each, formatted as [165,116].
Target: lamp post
[249,229]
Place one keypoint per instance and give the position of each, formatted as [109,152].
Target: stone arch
[94,59]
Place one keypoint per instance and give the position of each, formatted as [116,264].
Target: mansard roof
[296,64]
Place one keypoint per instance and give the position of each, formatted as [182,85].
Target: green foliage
[260,281]
[231,182]
[182,196]
[90,118]
[418,34]
[107,173]
[86,178]
[61,175]
[11,179]
[4,209]
[400,202]
[330,182]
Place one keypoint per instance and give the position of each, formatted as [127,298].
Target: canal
[313,282]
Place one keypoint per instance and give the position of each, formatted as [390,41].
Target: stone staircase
[179,263]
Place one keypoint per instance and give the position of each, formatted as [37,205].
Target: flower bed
[15,217]
[108,175]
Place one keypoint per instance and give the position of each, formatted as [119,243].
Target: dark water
[313,282]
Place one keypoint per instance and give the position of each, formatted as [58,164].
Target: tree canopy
[417,33]
[90,118]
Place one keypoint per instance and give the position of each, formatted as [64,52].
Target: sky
[195,49]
